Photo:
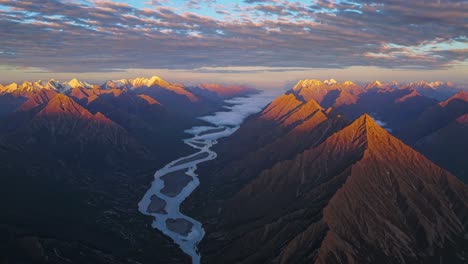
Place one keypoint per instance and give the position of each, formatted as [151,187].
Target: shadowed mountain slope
[361,196]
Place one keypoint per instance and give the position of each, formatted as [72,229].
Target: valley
[265,177]
[234,132]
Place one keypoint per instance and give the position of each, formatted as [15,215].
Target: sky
[263,43]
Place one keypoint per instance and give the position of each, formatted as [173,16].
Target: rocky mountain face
[289,124]
[437,90]
[76,159]
[298,184]
[330,93]
[436,117]
[397,106]
[361,196]
[440,133]
[406,110]
[312,178]
[172,96]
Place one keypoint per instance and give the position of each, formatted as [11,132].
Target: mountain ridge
[356,156]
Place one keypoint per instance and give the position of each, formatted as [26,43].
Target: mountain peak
[154,80]
[26,84]
[103,119]
[74,83]
[307,83]
[372,125]
[367,121]
[10,87]
[392,174]
[438,84]
[422,83]
[367,130]
[25,87]
[281,107]
[61,104]
[451,84]
[61,99]
[376,83]
[380,85]
[348,83]
[330,82]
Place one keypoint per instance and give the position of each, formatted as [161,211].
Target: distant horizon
[273,78]
[261,43]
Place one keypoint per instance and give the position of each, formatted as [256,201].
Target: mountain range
[301,182]
[328,172]
[76,159]
[405,110]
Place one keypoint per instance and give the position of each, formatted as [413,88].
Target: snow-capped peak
[155,79]
[11,87]
[379,84]
[307,83]
[74,83]
[116,84]
[348,83]
[438,84]
[330,82]
[422,83]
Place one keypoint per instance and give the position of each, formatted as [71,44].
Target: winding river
[178,179]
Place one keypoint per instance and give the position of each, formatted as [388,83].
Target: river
[177,180]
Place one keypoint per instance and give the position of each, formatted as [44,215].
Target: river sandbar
[174,182]
[179,225]
[157,205]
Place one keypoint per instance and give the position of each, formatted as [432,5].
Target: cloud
[258,1]
[241,108]
[86,37]
[382,124]
[197,4]
[156,2]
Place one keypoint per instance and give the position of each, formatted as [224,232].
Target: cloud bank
[104,36]
[240,108]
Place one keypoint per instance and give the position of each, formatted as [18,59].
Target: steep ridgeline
[63,117]
[66,177]
[409,111]
[360,196]
[288,125]
[76,158]
[396,105]
[436,117]
[59,128]
[437,90]
[175,97]
[448,147]
[153,111]
[441,133]
[329,93]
